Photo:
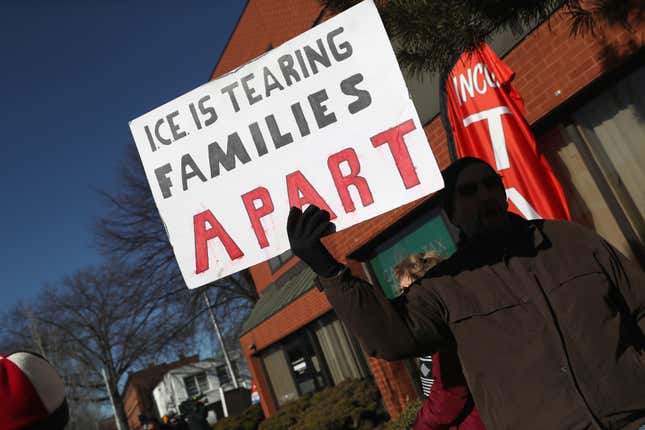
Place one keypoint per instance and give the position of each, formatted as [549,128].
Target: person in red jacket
[449,404]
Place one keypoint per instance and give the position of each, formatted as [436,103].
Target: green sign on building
[433,235]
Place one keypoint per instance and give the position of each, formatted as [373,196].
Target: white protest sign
[324,119]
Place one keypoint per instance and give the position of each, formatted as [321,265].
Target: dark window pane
[222,375]
[191,386]
[202,381]
[278,261]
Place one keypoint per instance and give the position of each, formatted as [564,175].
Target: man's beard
[492,220]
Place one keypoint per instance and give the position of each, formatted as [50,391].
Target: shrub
[250,419]
[351,405]
[288,415]
[407,417]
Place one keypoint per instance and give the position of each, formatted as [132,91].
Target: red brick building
[137,393]
[584,98]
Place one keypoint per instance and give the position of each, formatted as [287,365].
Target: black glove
[304,231]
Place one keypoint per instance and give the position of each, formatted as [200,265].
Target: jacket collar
[522,234]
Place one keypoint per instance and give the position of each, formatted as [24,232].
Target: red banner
[486,114]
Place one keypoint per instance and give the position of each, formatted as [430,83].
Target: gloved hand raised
[304,231]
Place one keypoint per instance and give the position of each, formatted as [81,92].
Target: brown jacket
[549,328]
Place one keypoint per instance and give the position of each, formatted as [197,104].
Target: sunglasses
[491,182]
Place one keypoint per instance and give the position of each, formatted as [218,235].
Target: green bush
[250,419]
[407,417]
[288,415]
[352,405]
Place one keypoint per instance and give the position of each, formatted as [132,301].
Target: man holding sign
[548,319]
[324,119]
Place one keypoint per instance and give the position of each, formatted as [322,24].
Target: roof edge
[228,41]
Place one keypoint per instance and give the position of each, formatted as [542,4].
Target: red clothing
[450,405]
[489,123]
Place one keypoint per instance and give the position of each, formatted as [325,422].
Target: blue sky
[72,74]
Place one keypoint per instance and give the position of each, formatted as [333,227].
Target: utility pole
[229,366]
[117,418]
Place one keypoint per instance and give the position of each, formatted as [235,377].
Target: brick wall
[395,384]
[132,406]
[266,23]
[551,68]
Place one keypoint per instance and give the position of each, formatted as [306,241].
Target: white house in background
[209,377]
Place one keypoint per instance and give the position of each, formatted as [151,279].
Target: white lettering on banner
[522,204]
[496,132]
[493,118]
[478,79]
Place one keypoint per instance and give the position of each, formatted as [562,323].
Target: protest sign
[323,119]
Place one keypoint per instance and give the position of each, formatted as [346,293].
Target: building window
[223,375]
[196,384]
[277,262]
[343,357]
[598,156]
[295,366]
[316,356]
[304,362]
[279,375]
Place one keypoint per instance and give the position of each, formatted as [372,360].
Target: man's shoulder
[569,241]
[566,230]
[451,266]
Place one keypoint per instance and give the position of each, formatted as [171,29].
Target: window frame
[224,369]
[194,378]
[277,262]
